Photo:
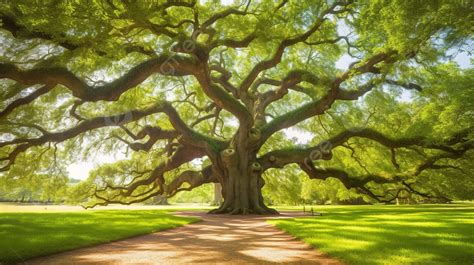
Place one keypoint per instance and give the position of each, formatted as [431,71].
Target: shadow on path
[217,239]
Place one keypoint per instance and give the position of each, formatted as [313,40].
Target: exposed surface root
[244,211]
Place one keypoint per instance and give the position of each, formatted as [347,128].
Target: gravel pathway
[217,239]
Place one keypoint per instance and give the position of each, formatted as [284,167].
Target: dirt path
[217,239]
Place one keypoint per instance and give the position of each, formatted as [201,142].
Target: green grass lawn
[26,235]
[425,234]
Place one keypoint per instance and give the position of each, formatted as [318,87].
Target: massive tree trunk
[217,194]
[242,194]
[242,183]
[160,200]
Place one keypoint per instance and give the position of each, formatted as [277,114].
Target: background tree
[37,180]
[201,92]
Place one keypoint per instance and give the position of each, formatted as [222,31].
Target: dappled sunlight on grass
[389,234]
[26,235]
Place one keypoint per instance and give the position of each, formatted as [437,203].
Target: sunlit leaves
[101,41]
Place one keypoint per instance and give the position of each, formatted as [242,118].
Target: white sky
[344,62]
[80,170]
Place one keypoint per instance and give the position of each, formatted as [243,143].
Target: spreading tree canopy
[196,92]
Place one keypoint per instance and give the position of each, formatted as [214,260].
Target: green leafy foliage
[418,92]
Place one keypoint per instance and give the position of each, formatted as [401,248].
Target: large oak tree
[202,92]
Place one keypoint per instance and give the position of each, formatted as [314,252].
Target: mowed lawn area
[30,234]
[424,234]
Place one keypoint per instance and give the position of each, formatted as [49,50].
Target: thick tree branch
[280,158]
[190,136]
[192,178]
[344,177]
[181,156]
[223,99]
[19,31]
[22,32]
[318,107]
[221,15]
[289,82]
[22,145]
[232,43]
[276,58]
[25,100]
[408,86]
[360,182]
[166,65]
[154,133]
